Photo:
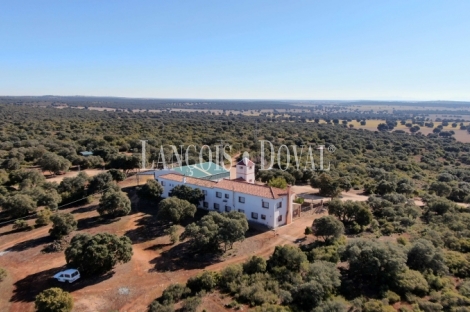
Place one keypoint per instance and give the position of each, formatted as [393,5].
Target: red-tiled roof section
[231,185]
[245,162]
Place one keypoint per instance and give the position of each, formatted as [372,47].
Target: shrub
[21,225]
[271,308]
[428,306]
[376,306]
[172,231]
[299,200]
[174,293]
[254,265]
[464,289]
[206,280]
[392,297]
[324,253]
[230,277]
[54,300]
[413,282]
[331,306]
[308,230]
[256,294]
[402,240]
[62,225]
[191,304]
[308,295]
[56,246]
[152,190]
[3,274]
[156,306]
[44,217]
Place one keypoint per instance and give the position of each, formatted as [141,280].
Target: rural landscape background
[399,181]
[366,105]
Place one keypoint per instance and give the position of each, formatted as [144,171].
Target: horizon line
[237,99]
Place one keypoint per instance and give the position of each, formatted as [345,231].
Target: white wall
[252,203]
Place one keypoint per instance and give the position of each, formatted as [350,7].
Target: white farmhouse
[260,203]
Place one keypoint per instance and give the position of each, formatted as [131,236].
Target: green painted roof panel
[201,170]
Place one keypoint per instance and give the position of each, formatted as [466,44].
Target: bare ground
[131,286]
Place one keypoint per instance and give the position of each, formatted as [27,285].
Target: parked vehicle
[70,275]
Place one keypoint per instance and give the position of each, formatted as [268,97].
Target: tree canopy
[215,229]
[175,210]
[114,203]
[54,300]
[99,253]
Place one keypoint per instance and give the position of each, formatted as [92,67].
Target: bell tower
[246,169]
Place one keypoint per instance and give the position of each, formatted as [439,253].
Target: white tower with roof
[246,169]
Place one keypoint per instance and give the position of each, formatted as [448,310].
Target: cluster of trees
[392,167]
[286,277]
[216,229]
[290,279]
[34,191]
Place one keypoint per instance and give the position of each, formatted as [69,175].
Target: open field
[460,135]
[71,174]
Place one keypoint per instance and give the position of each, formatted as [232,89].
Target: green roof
[202,170]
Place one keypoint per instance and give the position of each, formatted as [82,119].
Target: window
[67,276]
[216,206]
[205,204]
[254,215]
[204,192]
[218,194]
[241,210]
[265,204]
[241,199]
[279,205]
[263,217]
[241,167]
[226,196]
[227,208]
[251,180]
[163,183]
[279,219]
[74,274]
[250,167]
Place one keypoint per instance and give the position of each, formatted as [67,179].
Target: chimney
[289,205]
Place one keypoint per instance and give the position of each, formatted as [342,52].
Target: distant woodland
[424,262]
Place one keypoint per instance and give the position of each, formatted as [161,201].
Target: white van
[70,275]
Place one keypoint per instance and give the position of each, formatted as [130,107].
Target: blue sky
[389,50]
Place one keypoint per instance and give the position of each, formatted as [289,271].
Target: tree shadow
[88,223]
[256,229]
[29,287]
[182,256]
[6,219]
[157,246]
[31,243]
[85,209]
[148,228]
[9,232]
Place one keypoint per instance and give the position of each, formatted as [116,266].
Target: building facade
[262,204]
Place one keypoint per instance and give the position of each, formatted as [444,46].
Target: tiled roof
[231,185]
[245,162]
